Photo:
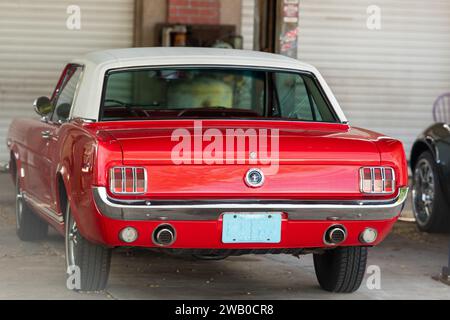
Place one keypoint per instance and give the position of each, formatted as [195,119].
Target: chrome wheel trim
[423,192]
[71,241]
[19,207]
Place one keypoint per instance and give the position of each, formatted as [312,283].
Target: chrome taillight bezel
[123,170]
[383,180]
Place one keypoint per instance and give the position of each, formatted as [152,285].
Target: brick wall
[194,11]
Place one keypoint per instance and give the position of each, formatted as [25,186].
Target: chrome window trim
[335,110]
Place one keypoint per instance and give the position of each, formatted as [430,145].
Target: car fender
[435,139]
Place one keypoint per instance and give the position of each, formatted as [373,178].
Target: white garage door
[248,23]
[35,43]
[385,80]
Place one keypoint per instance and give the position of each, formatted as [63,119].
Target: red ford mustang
[207,152]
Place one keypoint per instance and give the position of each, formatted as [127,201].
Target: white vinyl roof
[118,58]
[96,64]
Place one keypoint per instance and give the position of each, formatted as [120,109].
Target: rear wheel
[341,270]
[429,205]
[29,226]
[90,260]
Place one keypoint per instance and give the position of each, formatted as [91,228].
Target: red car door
[36,164]
[63,101]
[43,139]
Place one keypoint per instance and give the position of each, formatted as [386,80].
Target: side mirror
[42,106]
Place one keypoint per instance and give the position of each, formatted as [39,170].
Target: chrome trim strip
[41,207]
[210,211]
[134,180]
[124,181]
[372,179]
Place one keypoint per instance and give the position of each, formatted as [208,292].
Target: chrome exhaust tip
[335,235]
[164,235]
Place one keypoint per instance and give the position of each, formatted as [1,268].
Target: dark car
[430,164]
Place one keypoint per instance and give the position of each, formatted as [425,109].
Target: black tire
[431,215]
[29,227]
[210,257]
[93,260]
[341,270]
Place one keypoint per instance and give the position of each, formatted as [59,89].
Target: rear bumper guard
[368,210]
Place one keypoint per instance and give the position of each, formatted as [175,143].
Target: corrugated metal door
[387,79]
[35,44]
[248,23]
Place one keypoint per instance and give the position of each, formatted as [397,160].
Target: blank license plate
[251,228]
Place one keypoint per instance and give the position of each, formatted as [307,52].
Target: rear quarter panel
[83,156]
[392,154]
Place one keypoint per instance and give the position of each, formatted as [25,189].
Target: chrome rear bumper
[186,210]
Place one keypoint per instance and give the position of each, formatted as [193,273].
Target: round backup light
[128,235]
[369,236]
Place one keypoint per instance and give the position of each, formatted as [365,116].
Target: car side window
[66,94]
[293,96]
[299,98]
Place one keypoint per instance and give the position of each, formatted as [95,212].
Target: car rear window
[146,94]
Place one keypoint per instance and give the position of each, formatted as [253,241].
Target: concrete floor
[407,259]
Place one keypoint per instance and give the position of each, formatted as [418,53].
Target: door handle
[46,134]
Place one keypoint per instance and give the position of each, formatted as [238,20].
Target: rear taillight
[128,180]
[377,180]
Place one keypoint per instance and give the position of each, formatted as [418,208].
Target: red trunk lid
[313,160]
